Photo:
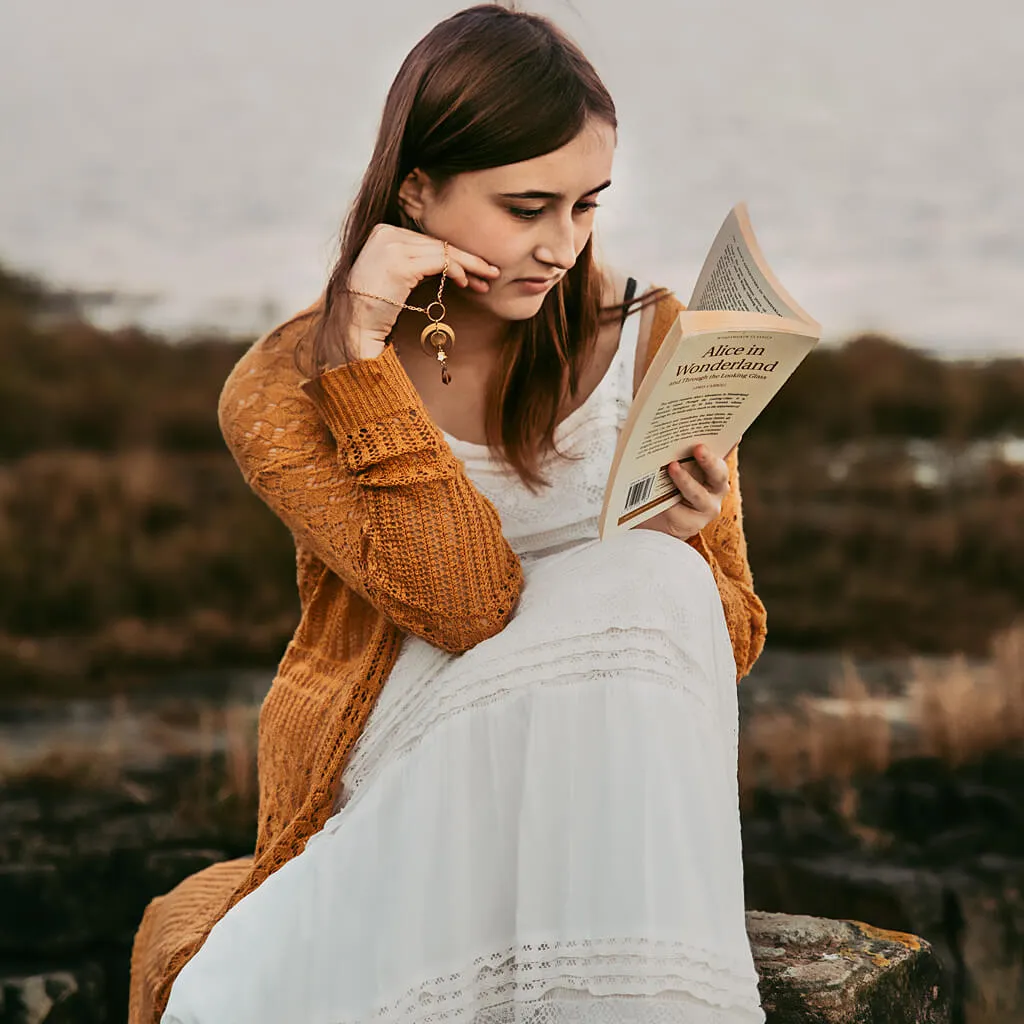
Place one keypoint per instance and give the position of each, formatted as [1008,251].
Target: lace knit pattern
[391,535]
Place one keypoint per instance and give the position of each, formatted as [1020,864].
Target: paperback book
[726,356]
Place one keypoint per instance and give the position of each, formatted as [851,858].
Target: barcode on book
[639,491]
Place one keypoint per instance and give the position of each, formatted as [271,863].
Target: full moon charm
[440,336]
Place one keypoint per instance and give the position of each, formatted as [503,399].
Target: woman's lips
[535,285]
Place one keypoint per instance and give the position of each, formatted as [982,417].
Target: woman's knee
[638,571]
[655,561]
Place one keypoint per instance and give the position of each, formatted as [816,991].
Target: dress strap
[629,338]
[627,298]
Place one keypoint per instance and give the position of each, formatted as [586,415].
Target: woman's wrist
[358,344]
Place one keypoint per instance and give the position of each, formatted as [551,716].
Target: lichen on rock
[815,970]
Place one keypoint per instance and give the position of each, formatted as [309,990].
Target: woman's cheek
[502,242]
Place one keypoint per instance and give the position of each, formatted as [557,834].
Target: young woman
[536,818]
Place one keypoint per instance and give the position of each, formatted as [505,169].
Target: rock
[74,996]
[818,971]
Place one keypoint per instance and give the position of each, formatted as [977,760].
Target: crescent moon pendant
[431,331]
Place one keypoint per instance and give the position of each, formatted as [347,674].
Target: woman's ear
[413,194]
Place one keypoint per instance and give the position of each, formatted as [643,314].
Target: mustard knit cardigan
[390,536]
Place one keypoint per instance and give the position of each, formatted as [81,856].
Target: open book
[721,363]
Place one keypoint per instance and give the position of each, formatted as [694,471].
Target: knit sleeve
[724,547]
[353,465]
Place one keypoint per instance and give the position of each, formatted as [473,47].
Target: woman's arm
[724,547]
[355,468]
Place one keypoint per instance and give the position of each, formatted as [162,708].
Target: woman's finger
[716,471]
[431,250]
[428,263]
[694,493]
[719,476]
[474,264]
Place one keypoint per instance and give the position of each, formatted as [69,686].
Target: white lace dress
[541,830]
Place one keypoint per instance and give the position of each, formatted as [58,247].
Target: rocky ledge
[814,970]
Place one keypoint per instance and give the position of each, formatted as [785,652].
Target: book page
[736,276]
[712,377]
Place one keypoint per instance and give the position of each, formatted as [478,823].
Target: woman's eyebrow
[550,195]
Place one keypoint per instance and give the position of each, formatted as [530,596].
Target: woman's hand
[392,263]
[702,499]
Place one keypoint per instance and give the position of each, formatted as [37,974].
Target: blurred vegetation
[129,542]
[875,387]
[876,562]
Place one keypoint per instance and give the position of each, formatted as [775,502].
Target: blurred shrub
[86,538]
[874,561]
[875,387]
[136,559]
[66,384]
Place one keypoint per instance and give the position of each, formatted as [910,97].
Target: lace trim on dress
[608,980]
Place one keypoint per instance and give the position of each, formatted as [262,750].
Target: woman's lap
[570,779]
[525,845]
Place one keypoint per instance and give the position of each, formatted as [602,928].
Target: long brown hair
[488,86]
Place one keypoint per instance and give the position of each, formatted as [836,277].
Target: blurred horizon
[196,161]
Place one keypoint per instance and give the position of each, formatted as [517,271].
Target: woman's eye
[524,214]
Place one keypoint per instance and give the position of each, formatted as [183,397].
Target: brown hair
[488,86]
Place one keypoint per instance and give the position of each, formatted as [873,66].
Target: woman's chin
[513,307]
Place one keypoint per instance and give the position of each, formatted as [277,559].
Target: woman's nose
[559,246]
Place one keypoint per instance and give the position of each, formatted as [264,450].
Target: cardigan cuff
[376,415]
[363,392]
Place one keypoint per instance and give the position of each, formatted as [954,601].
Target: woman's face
[530,219]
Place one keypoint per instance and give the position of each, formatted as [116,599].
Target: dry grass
[873,561]
[87,764]
[996,997]
[960,718]
[953,713]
